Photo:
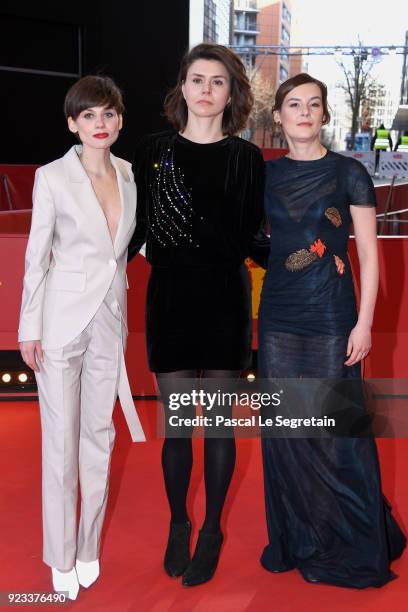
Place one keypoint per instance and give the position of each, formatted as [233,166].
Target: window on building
[245,4]
[283,73]
[285,36]
[285,13]
[210,21]
[251,23]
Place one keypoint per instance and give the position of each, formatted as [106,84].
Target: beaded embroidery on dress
[172,210]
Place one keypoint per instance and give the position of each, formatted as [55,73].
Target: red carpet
[137,523]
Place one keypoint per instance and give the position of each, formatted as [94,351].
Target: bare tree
[261,115]
[357,80]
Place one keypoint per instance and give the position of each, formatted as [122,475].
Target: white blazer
[71,261]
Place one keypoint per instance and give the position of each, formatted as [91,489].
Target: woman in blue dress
[325,512]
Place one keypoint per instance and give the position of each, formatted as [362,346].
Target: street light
[376,52]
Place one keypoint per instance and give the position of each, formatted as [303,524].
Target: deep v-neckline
[113,240]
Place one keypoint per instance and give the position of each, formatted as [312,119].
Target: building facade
[217,21]
[211,21]
[245,22]
[381,105]
[274,22]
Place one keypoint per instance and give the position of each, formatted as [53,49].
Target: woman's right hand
[29,351]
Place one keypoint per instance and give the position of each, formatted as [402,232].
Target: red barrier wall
[20,179]
[399,199]
[19,184]
[388,359]
[273,153]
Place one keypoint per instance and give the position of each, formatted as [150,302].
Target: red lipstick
[101,135]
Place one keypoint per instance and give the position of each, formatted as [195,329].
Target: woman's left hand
[359,344]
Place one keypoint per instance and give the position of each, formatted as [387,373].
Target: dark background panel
[139,44]
[38,44]
[34,130]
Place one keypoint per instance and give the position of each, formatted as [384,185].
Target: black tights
[177,461]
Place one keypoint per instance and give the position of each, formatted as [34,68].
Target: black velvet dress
[199,209]
[324,507]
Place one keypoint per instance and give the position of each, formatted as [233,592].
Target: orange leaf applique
[339,264]
[318,247]
[334,216]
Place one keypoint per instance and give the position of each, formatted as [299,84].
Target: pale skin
[301,117]
[207,91]
[95,158]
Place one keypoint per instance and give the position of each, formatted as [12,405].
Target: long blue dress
[325,511]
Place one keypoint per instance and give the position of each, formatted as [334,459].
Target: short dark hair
[301,79]
[93,90]
[236,113]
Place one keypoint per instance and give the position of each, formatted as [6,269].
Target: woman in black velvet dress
[200,205]
[324,507]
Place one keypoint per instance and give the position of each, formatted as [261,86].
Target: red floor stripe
[137,523]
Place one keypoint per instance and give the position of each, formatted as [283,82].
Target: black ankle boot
[205,559]
[177,555]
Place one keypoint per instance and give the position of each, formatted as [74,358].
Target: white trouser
[77,387]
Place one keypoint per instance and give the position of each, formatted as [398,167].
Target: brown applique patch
[318,247]
[334,216]
[299,260]
[339,264]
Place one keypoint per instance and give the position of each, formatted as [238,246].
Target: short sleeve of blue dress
[360,188]
[308,290]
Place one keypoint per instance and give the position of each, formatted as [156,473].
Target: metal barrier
[393,164]
[397,227]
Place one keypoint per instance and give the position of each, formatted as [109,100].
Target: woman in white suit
[73,325]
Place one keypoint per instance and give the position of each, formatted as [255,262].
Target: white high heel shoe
[87,572]
[65,581]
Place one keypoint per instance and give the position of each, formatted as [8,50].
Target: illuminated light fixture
[392,50]
[338,53]
[6,377]
[23,377]
[251,377]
